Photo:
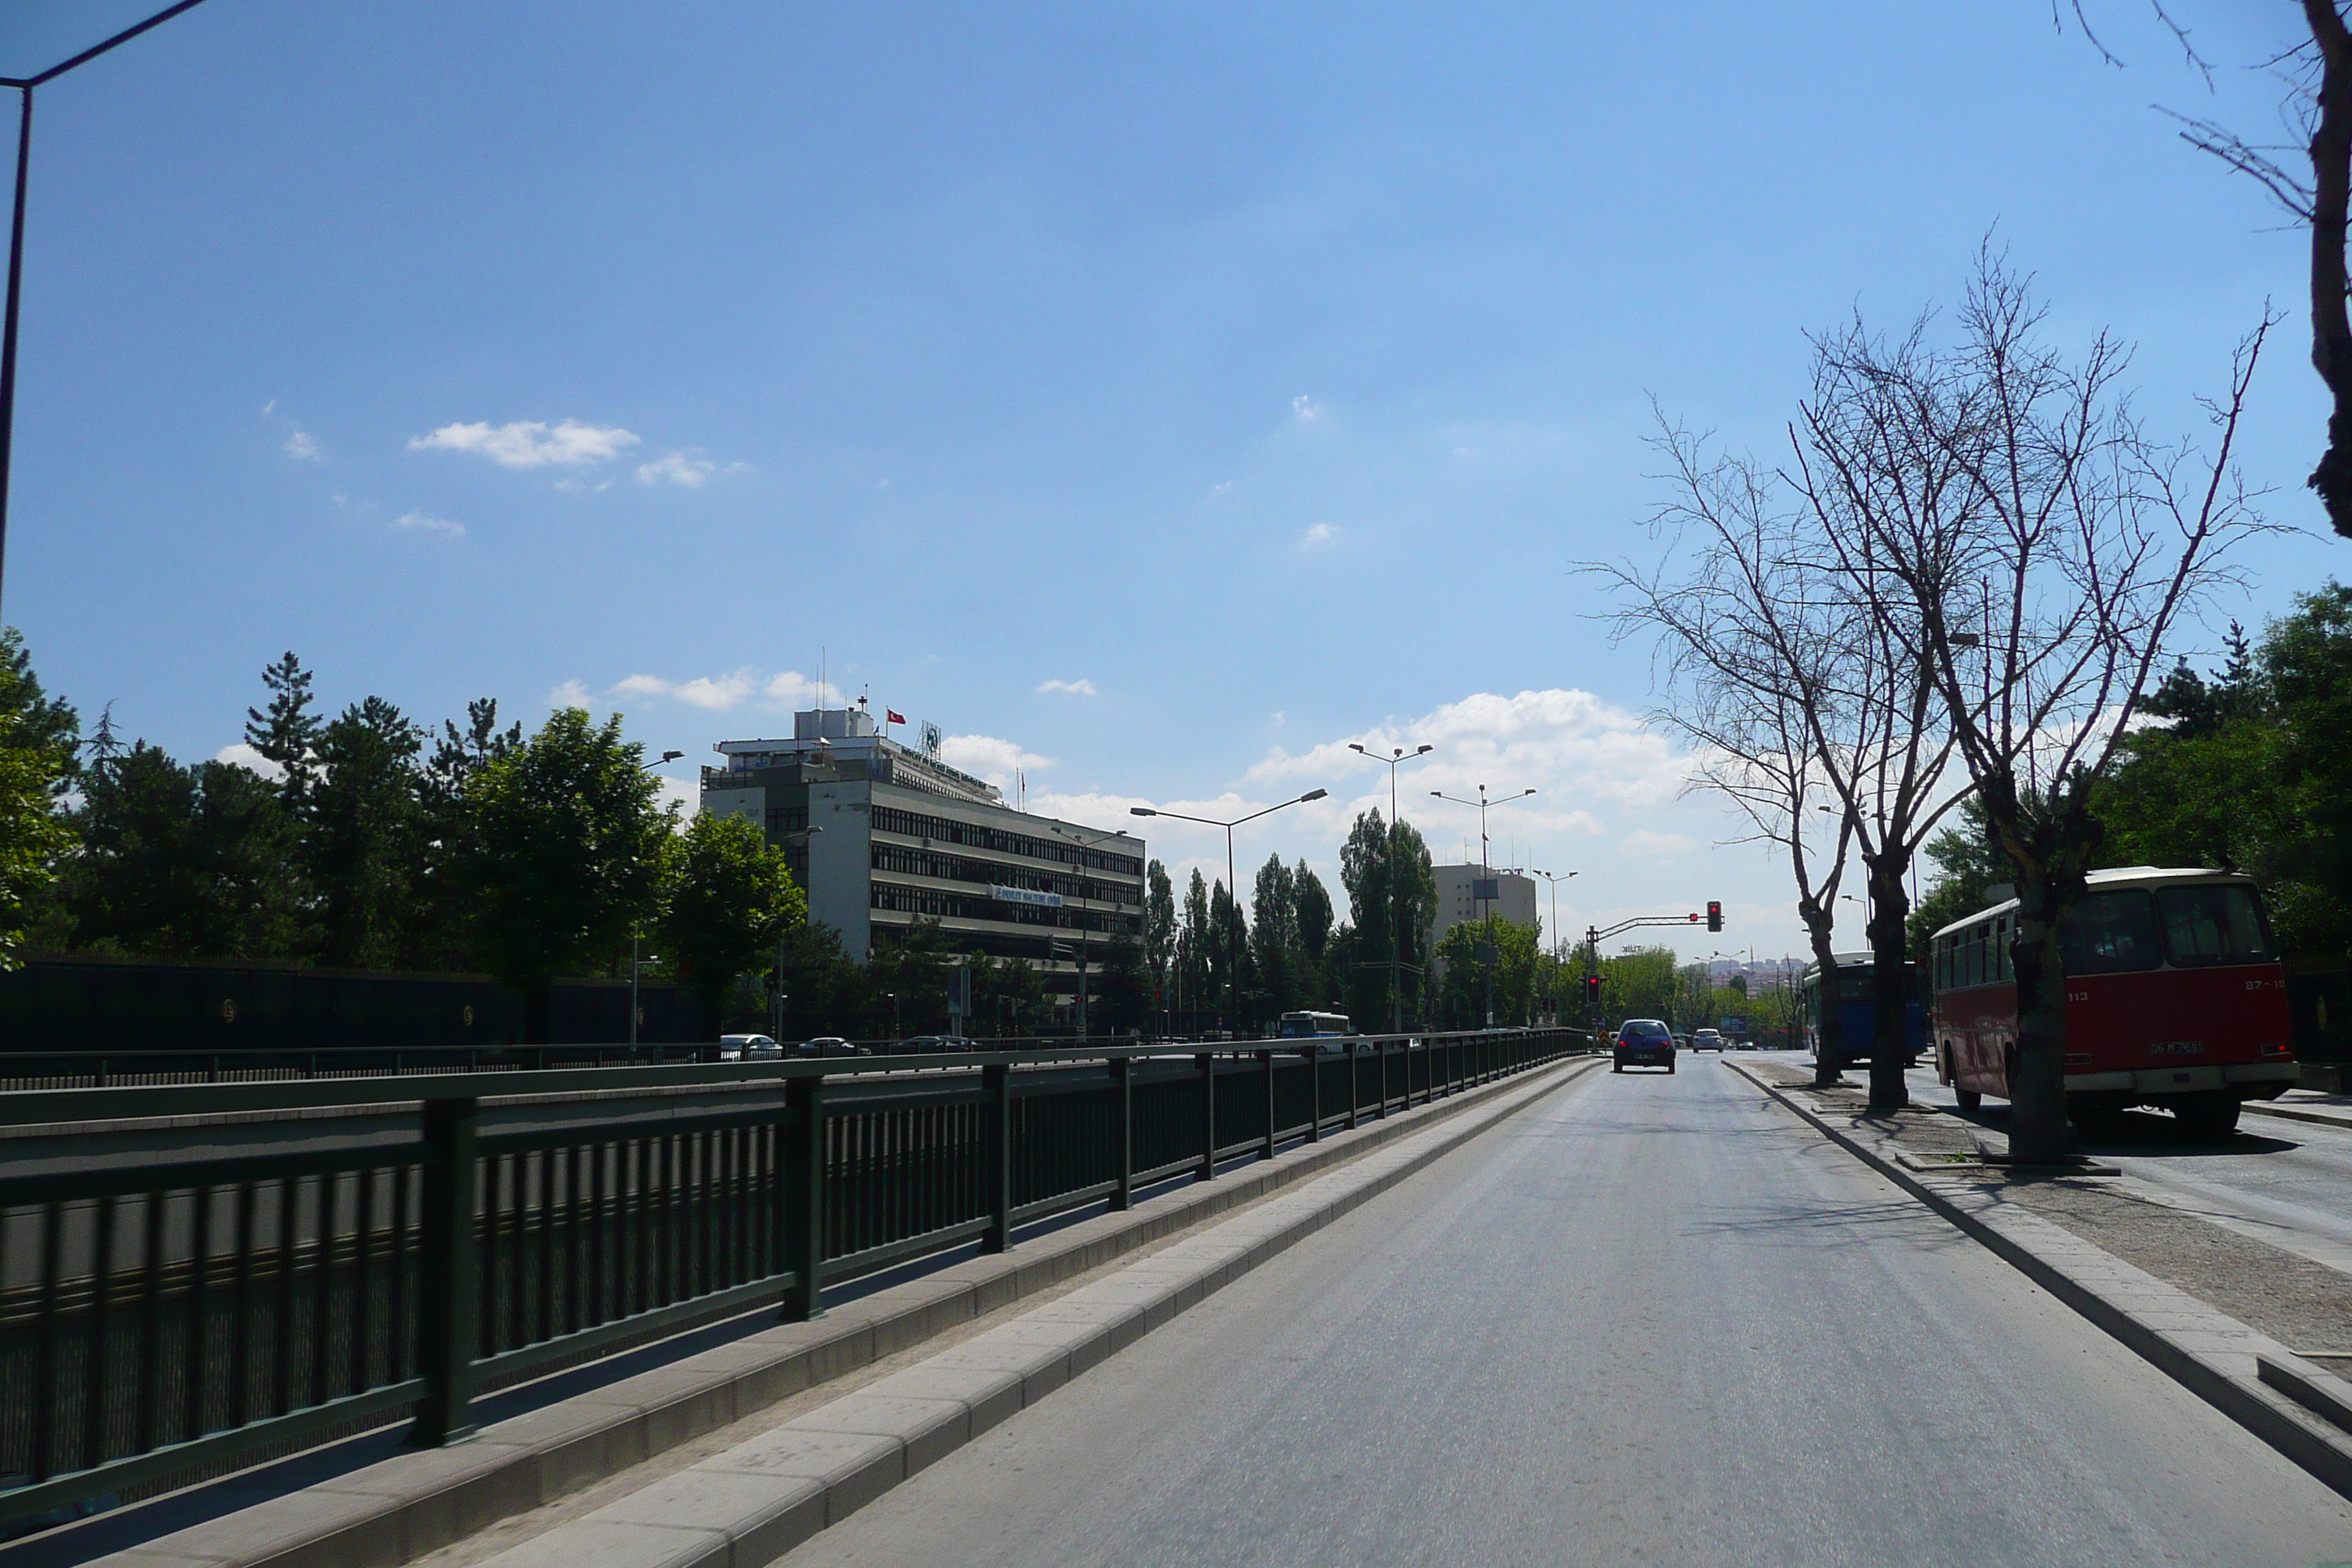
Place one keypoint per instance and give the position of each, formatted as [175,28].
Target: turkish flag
[893,716]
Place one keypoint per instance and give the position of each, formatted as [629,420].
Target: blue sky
[1261,372]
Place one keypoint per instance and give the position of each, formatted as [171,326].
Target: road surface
[1652,1320]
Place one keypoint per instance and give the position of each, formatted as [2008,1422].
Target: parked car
[829,1046]
[1643,1042]
[933,1044]
[1707,1040]
[748,1048]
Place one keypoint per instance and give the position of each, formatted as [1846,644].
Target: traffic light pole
[1595,936]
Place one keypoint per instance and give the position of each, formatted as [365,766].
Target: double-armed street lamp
[1397,756]
[25,86]
[1233,888]
[1486,865]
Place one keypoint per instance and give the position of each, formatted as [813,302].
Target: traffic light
[1714,914]
[1592,991]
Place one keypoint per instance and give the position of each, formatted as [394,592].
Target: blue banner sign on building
[1024,896]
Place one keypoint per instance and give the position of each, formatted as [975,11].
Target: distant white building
[1469,893]
[882,834]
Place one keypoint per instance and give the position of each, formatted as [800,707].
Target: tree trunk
[1888,1049]
[2038,1128]
[2331,333]
[1828,1049]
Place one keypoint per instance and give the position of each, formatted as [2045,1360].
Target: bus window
[2212,925]
[2000,951]
[2110,933]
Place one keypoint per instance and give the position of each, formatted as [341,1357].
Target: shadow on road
[2148,1133]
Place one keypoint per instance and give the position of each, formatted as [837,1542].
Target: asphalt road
[1652,1320]
[2286,1182]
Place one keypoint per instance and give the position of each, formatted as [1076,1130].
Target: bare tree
[1743,685]
[2015,533]
[2315,72]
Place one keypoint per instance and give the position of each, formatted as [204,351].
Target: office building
[881,835]
[1511,896]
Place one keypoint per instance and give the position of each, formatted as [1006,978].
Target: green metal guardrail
[411,1242]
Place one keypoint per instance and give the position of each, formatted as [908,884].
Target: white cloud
[1217,490]
[570,694]
[244,756]
[269,408]
[530,443]
[715,694]
[782,691]
[418,521]
[1072,687]
[1642,841]
[991,759]
[1321,534]
[303,446]
[680,470]
[1305,410]
[792,689]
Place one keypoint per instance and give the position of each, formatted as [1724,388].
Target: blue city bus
[1857,982]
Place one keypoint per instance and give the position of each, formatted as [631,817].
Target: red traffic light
[1714,914]
[1693,919]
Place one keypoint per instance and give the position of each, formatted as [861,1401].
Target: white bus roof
[2121,877]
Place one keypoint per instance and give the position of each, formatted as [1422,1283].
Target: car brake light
[2274,1048]
[2078,1058]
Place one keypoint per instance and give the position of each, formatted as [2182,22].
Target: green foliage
[729,897]
[285,732]
[2254,772]
[39,737]
[1379,913]
[1469,970]
[1159,933]
[1967,865]
[361,833]
[568,849]
[189,861]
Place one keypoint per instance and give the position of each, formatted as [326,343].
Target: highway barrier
[199,1275]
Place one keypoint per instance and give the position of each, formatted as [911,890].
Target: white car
[749,1048]
[1706,1040]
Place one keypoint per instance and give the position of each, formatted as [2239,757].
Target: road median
[417,1501]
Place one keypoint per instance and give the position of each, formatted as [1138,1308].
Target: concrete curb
[2212,1354]
[2315,1114]
[751,1504]
[399,1509]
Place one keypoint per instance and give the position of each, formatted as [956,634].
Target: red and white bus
[2175,998]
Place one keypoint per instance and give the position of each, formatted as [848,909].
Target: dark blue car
[1644,1042]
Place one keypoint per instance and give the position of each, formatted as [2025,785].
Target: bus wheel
[1966,1098]
[2207,1115]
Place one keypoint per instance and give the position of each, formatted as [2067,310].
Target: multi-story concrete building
[1513,898]
[882,834]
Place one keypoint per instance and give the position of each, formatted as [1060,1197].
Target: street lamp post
[1555,881]
[1085,943]
[1486,866]
[1396,900]
[1233,961]
[25,86]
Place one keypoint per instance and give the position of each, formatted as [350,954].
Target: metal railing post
[1207,1065]
[1265,1070]
[1314,1056]
[1355,1083]
[1122,1080]
[449,1274]
[996,1176]
[1381,1110]
[804,1197]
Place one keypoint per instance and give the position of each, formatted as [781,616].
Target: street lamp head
[1422,750]
[1140,811]
[1357,746]
[1313,794]
[669,757]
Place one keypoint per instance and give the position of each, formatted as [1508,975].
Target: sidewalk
[2307,1105]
